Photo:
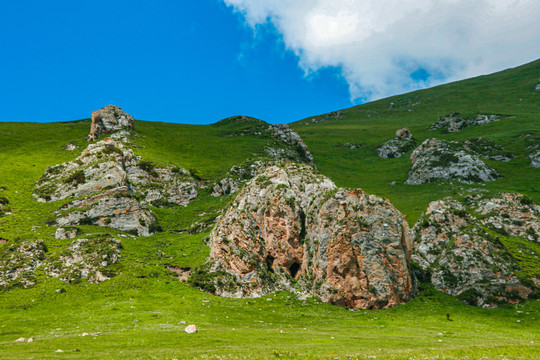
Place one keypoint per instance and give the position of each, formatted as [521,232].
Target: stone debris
[290,223]
[18,268]
[21,340]
[191,329]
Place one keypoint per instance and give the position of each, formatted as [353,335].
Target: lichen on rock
[291,228]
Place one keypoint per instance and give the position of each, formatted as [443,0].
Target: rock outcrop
[289,136]
[537,87]
[292,229]
[397,146]
[111,186]
[509,214]
[437,160]
[461,259]
[108,120]
[86,259]
[454,122]
[18,264]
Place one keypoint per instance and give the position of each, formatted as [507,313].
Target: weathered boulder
[17,265]
[437,160]
[454,122]
[461,259]
[509,214]
[86,259]
[397,146]
[109,119]
[292,229]
[537,87]
[115,185]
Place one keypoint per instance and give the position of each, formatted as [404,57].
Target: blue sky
[198,61]
[189,61]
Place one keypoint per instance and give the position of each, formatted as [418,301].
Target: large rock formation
[398,145]
[462,259]
[438,159]
[292,229]
[454,122]
[289,136]
[109,119]
[112,186]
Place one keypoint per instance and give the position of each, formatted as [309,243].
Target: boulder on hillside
[461,259]
[109,119]
[438,159]
[292,229]
[397,146]
[537,88]
[455,122]
[112,186]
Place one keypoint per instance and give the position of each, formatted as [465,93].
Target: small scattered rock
[191,329]
[59,351]
[21,340]
[85,334]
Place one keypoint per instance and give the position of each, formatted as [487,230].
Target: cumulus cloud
[383,47]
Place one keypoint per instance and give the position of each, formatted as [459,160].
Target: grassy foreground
[145,318]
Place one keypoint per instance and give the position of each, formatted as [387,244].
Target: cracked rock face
[461,259]
[437,160]
[108,120]
[292,229]
[112,186]
[397,146]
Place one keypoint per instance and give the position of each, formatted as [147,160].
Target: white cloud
[379,43]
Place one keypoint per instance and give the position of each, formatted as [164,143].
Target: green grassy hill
[143,310]
[509,92]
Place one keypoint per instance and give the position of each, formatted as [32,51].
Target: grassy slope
[152,329]
[509,92]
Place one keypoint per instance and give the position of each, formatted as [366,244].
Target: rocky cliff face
[398,145]
[438,159]
[462,259]
[111,186]
[291,228]
[108,120]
